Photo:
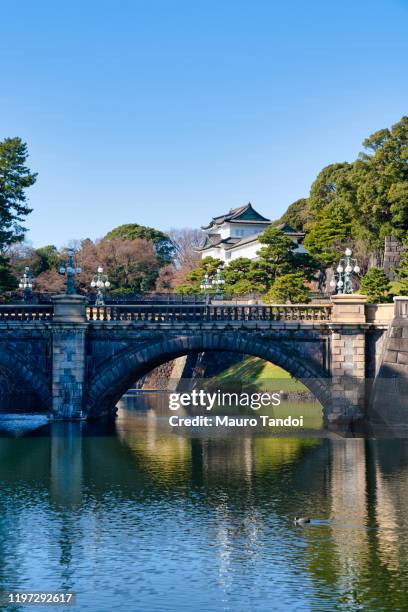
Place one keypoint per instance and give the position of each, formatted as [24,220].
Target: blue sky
[166,113]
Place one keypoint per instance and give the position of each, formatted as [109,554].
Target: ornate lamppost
[206,286]
[347,266]
[26,284]
[218,283]
[70,269]
[100,282]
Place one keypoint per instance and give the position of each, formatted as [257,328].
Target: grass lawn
[260,375]
[254,375]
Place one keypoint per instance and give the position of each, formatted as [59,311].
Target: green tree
[45,258]
[402,271]
[207,265]
[278,257]
[289,288]
[297,215]
[187,289]
[376,286]
[333,185]
[381,179]
[236,271]
[398,198]
[361,202]
[329,233]
[164,247]
[7,280]
[15,178]
[243,287]
[239,279]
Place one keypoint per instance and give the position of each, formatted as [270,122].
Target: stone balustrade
[196,313]
[26,312]
[342,309]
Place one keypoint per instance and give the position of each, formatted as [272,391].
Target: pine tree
[376,286]
[15,178]
[289,288]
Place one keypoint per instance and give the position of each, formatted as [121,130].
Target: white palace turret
[236,233]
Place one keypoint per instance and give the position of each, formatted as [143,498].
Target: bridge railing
[26,312]
[176,313]
[170,313]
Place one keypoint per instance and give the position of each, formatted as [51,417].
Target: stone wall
[25,368]
[390,392]
[375,343]
[163,376]
[392,256]
[186,370]
[15,395]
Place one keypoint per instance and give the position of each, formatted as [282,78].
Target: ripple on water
[145,519]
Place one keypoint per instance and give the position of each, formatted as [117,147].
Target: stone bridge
[76,361]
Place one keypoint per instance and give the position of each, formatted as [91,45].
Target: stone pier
[68,357]
[348,356]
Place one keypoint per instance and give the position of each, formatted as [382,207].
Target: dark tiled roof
[235,213]
[287,229]
[229,243]
[209,244]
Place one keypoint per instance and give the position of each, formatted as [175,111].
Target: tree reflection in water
[131,511]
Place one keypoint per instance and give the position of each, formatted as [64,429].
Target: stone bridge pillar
[348,357]
[68,356]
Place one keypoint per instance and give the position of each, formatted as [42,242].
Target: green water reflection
[133,516]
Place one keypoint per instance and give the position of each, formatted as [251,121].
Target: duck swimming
[301,520]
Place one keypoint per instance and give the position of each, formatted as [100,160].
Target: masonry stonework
[68,371]
[392,256]
[389,397]
[79,368]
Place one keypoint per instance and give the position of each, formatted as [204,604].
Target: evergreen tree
[362,201]
[243,287]
[15,178]
[376,286]
[328,235]
[297,215]
[7,280]
[278,257]
[289,288]
[236,273]
[207,265]
[382,172]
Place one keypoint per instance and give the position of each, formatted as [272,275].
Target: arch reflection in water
[161,520]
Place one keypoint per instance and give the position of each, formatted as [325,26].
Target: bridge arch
[18,368]
[117,374]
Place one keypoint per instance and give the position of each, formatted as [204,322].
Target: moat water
[136,516]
